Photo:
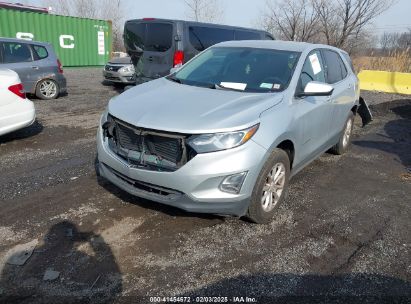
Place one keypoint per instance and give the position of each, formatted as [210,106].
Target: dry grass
[396,61]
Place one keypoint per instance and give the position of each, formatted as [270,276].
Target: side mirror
[175,69]
[314,88]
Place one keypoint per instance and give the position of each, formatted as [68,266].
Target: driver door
[312,113]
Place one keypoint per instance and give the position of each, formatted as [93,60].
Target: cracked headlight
[221,141]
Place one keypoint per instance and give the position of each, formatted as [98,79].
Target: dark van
[157,45]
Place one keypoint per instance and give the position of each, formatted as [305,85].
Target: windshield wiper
[175,79]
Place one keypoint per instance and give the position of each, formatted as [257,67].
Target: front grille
[112,78]
[160,146]
[143,148]
[113,68]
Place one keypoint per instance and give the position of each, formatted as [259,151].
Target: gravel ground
[374,98]
[343,234]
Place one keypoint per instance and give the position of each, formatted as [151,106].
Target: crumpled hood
[168,106]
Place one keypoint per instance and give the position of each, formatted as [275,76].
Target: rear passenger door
[43,64]
[17,56]
[199,38]
[343,96]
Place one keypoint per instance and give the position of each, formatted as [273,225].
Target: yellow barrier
[389,82]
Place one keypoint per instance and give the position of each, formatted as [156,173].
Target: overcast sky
[245,12]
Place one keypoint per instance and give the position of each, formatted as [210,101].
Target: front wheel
[47,89]
[270,188]
[344,142]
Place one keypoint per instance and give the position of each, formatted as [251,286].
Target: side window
[343,68]
[14,52]
[40,52]
[336,70]
[247,35]
[204,37]
[313,70]
[268,37]
[348,59]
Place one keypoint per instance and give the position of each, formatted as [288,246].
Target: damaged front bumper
[194,185]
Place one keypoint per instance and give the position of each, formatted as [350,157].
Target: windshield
[242,69]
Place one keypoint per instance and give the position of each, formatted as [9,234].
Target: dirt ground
[343,234]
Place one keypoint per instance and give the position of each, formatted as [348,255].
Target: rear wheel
[270,188]
[342,146]
[47,89]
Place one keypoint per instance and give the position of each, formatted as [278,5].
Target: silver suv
[226,132]
[36,64]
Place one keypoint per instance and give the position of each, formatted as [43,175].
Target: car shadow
[69,266]
[309,288]
[30,131]
[397,137]
[118,87]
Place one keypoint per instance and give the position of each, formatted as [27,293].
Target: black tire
[256,212]
[40,94]
[343,143]
[97,166]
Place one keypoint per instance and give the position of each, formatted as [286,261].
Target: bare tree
[94,9]
[388,41]
[404,40]
[113,11]
[204,10]
[294,20]
[395,41]
[341,20]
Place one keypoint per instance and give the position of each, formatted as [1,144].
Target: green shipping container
[77,41]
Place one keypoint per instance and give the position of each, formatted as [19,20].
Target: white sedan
[16,111]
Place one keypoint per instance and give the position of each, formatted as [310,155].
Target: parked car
[120,70]
[157,45]
[37,65]
[227,131]
[16,111]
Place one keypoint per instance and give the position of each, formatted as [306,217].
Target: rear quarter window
[202,38]
[348,59]
[335,67]
[40,52]
[268,37]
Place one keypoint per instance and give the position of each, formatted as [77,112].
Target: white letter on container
[63,44]
[25,36]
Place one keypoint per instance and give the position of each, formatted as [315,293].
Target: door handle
[35,67]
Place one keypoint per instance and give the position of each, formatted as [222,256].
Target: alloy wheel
[48,88]
[347,133]
[273,188]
